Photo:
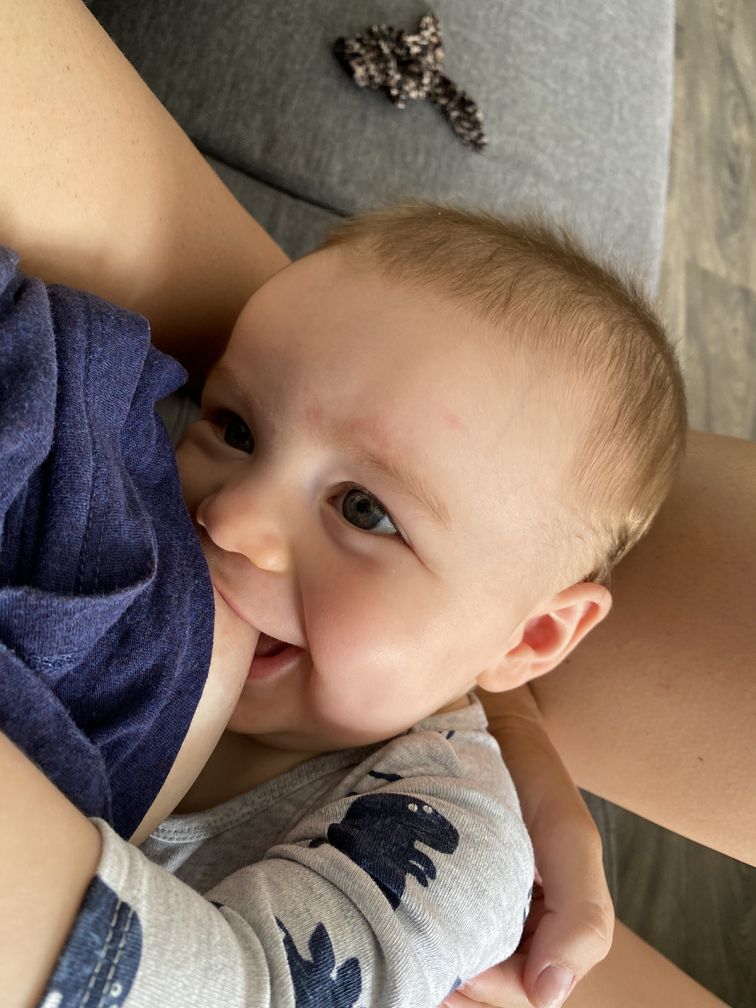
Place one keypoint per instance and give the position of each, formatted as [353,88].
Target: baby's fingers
[499,987]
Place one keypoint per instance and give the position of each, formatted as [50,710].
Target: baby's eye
[361,509]
[235,432]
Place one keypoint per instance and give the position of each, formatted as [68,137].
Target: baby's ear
[548,635]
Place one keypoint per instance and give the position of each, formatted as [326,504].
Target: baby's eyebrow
[408,481]
[223,373]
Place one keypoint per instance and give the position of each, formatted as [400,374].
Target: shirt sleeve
[97,686]
[388,897]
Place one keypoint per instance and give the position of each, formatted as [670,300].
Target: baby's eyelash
[217,416]
[221,419]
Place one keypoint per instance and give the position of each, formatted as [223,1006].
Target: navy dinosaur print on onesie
[379,833]
[316,985]
[391,777]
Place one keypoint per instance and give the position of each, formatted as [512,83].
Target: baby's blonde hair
[588,318]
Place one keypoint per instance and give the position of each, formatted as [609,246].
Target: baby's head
[425,448]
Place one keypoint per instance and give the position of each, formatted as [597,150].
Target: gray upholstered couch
[576,98]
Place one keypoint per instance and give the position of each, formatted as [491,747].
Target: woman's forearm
[101,189]
[48,856]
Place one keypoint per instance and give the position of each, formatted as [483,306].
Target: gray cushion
[576,98]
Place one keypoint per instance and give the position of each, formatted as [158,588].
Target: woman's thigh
[634,975]
[656,710]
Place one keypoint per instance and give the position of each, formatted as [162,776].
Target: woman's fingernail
[553,985]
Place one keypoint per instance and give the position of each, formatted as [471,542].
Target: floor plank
[719,353]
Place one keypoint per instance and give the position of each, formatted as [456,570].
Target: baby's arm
[385,897]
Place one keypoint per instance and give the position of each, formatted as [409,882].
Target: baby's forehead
[459,370]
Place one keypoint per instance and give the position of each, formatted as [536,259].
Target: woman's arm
[48,856]
[101,189]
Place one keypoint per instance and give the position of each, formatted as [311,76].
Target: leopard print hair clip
[410,67]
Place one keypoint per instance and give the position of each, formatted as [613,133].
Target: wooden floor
[709,268]
[694,905]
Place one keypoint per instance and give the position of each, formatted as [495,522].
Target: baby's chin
[309,733]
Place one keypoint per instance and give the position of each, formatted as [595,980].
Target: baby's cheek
[367,640]
[360,617]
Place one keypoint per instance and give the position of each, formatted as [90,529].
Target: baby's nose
[236,526]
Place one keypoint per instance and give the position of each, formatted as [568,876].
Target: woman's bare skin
[103,191]
[100,188]
[655,709]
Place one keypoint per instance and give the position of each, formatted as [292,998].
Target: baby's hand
[500,986]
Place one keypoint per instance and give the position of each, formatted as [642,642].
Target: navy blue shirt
[106,606]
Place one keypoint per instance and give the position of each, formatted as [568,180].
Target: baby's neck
[238,764]
[242,762]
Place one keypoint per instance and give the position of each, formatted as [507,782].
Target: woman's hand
[571,921]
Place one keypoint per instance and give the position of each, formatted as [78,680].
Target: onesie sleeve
[389,897]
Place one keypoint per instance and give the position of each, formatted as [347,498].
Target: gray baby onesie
[381,876]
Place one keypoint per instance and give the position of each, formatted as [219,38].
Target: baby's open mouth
[267,646]
[273,657]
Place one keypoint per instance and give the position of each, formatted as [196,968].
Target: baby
[422,452]
[418,460]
